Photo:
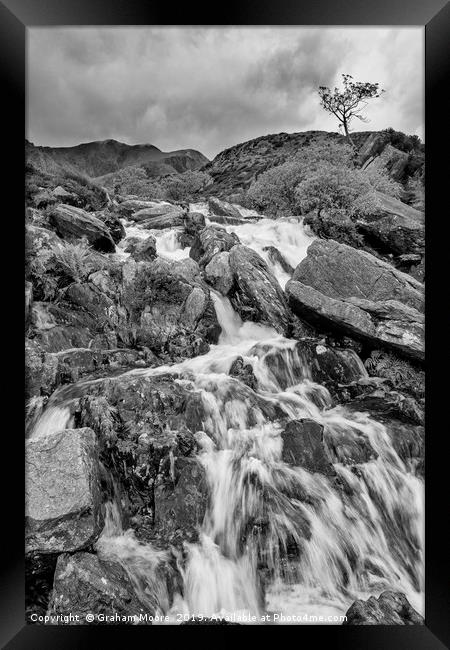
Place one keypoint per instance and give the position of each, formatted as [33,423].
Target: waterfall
[276,539]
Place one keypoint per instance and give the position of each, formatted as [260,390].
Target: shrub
[75,262]
[134,180]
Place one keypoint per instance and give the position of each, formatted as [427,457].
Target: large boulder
[174,313]
[161,216]
[388,324]
[85,584]
[210,241]
[390,160]
[340,271]
[257,295]
[63,501]
[224,209]
[218,273]
[390,608]
[73,223]
[127,207]
[393,227]
[113,223]
[193,223]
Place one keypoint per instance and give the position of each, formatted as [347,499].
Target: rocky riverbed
[224,414]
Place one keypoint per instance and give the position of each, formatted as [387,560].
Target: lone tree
[348,103]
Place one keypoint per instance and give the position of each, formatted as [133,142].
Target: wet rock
[393,227]
[129,206]
[224,209]
[218,273]
[174,315]
[257,295]
[303,446]
[180,502]
[277,258]
[73,223]
[142,250]
[76,363]
[409,443]
[389,404]
[209,241]
[390,608]
[244,372]
[85,584]
[40,370]
[388,324]
[160,216]
[194,222]
[63,510]
[341,272]
[329,365]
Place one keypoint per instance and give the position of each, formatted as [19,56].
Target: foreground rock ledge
[63,507]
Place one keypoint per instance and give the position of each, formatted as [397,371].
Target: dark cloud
[210,88]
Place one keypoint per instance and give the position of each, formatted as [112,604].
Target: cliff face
[100,158]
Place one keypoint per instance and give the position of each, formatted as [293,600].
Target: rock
[340,271]
[40,370]
[393,227]
[160,216]
[303,447]
[218,273]
[28,300]
[127,207]
[76,363]
[224,209]
[243,372]
[390,608]
[389,324]
[63,508]
[277,258]
[390,159]
[73,223]
[209,241]
[175,315]
[142,250]
[85,584]
[180,502]
[194,222]
[409,443]
[257,295]
[389,404]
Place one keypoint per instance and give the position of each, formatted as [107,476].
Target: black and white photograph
[224,338]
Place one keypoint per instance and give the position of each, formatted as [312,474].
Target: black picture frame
[434,15]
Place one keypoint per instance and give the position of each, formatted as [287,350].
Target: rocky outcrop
[113,223]
[303,447]
[63,510]
[388,324]
[193,223]
[218,273]
[257,295]
[180,502]
[340,271]
[73,223]
[393,227]
[85,584]
[390,608]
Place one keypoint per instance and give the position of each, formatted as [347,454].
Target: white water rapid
[277,541]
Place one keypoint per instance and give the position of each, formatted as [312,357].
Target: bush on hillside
[322,177]
[184,187]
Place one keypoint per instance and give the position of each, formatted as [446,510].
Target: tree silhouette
[348,103]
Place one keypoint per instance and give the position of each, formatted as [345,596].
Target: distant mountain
[234,169]
[96,159]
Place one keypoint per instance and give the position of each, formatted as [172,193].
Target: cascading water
[276,539]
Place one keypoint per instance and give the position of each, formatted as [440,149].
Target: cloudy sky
[210,88]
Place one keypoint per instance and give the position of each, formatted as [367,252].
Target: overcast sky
[210,88]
